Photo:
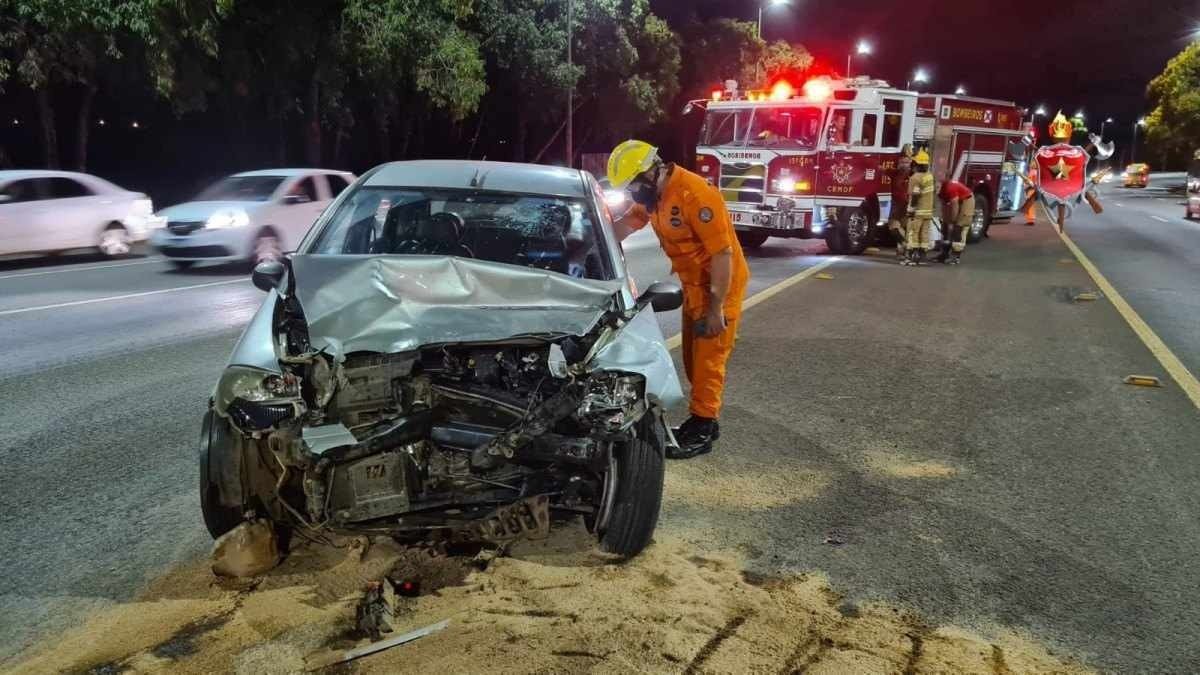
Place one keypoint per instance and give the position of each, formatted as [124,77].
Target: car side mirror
[295,199]
[663,296]
[267,275]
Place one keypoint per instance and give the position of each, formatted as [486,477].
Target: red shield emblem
[1062,172]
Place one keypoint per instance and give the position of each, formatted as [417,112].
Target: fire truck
[817,162]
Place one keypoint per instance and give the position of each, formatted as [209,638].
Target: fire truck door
[850,165]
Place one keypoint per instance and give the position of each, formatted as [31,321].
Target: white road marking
[112,298]
[1160,219]
[63,270]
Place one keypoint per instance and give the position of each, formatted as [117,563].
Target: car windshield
[241,189]
[794,127]
[544,232]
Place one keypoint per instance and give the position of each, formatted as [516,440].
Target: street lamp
[767,5]
[863,49]
[960,91]
[1103,124]
[920,77]
[1133,147]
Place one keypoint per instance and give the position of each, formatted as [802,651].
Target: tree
[717,50]
[783,58]
[403,47]
[1173,126]
[51,44]
[524,44]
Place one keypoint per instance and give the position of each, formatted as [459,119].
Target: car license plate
[740,217]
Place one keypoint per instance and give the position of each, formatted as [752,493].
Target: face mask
[644,191]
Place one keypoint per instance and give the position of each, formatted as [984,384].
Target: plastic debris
[248,550]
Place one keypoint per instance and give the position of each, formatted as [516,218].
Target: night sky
[1097,55]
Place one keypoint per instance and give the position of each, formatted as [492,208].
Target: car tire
[267,246]
[114,241]
[215,438]
[182,264]
[981,221]
[751,239]
[852,233]
[640,468]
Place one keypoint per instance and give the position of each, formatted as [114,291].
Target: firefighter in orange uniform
[695,232]
[1030,202]
[920,210]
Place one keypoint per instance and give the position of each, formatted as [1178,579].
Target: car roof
[491,176]
[289,172]
[15,174]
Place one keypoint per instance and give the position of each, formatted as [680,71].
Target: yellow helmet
[628,160]
[922,157]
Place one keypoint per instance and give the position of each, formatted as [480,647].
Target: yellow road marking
[1182,376]
[767,293]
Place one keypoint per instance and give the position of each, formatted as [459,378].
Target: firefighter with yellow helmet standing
[695,232]
[920,210]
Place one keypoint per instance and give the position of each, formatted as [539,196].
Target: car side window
[336,184]
[306,190]
[21,191]
[64,188]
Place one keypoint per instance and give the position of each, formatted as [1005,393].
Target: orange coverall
[692,225]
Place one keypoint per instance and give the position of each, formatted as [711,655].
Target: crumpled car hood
[399,303]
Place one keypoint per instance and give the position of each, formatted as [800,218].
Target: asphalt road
[964,431]
[107,369]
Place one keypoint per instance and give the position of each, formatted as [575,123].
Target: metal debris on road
[824,276]
[1066,261]
[319,661]
[1087,296]
[1143,380]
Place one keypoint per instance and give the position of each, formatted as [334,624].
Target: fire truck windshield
[789,127]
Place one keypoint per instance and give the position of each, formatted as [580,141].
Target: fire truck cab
[818,163]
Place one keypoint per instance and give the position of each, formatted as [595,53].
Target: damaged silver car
[456,351]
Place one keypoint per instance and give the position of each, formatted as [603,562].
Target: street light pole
[570,91]
[862,49]
[1103,124]
[1133,146]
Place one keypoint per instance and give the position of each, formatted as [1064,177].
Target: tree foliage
[385,78]
[1173,125]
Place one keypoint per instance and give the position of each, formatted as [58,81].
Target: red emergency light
[782,91]
[818,90]
[717,94]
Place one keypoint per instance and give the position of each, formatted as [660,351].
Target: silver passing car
[455,351]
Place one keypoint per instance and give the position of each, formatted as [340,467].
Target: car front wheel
[634,486]
[217,447]
[114,241]
[751,239]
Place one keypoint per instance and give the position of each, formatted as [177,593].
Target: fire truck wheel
[982,220]
[852,234]
[752,239]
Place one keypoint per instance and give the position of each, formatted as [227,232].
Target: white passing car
[247,217]
[55,211]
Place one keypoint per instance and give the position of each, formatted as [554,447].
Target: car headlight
[142,207]
[228,218]
[255,386]
[613,401]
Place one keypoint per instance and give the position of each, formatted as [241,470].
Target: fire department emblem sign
[842,173]
[1062,174]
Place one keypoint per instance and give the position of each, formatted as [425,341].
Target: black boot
[695,437]
[955,257]
[920,256]
[945,253]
